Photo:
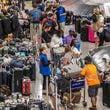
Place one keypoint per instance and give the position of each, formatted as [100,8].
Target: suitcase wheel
[84,104]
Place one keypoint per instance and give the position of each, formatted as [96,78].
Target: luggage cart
[74,86]
[78,84]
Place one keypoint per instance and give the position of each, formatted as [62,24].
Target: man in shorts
[91,75]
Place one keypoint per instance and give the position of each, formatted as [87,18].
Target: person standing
[98,26]
[68,38]
[35,25]
[89,71]
[44,66]
[61,16]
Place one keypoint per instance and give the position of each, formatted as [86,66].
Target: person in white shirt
[56,40]
[77,53]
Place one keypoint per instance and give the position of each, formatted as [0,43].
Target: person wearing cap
[89,71]
[68,38]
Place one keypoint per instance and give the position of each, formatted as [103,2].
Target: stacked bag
[8,24]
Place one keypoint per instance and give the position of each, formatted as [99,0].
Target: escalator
[78,7]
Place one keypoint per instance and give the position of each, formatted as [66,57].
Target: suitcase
[1,28]
[26,71]
[23,107]
[106,94]
[17,76]
[0,77]
[78,25]
[84,33]
[91,35]
[6,22]
[14,23]
[4,76]
[35,103]
[2,99]
[33,71]
[72,70]
[26,86]
[107,35]
[68,18]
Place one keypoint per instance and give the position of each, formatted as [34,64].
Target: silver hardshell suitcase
[72,70]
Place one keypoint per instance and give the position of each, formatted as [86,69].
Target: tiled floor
[37,85]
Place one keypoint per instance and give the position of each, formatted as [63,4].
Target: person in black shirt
[46,37]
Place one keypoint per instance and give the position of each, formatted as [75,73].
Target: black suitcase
[78,24]
[6,25]
[107,35]
[0,77]
[106,94]
[26,71]
[6,77]
[17,79]
[68,18]
[23,107]
[84,33]
[14,23]
[33,71]
[1,28]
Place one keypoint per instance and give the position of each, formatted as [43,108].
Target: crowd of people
[47,31]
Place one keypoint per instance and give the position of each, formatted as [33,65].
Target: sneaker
[92,108]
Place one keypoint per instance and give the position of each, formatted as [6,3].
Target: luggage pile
[17,102]
[17,66]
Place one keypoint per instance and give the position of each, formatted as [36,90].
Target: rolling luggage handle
[56,106]
[47,96]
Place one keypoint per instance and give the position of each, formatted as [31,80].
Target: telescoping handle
[47,96]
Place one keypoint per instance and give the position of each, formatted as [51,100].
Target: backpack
[36,15]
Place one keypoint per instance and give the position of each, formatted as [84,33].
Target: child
[44,66]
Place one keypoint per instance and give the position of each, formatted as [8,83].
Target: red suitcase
[26,86]
[91,35]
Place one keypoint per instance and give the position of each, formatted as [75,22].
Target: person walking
[90,73]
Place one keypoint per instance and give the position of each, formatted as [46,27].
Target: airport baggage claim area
[22,84]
